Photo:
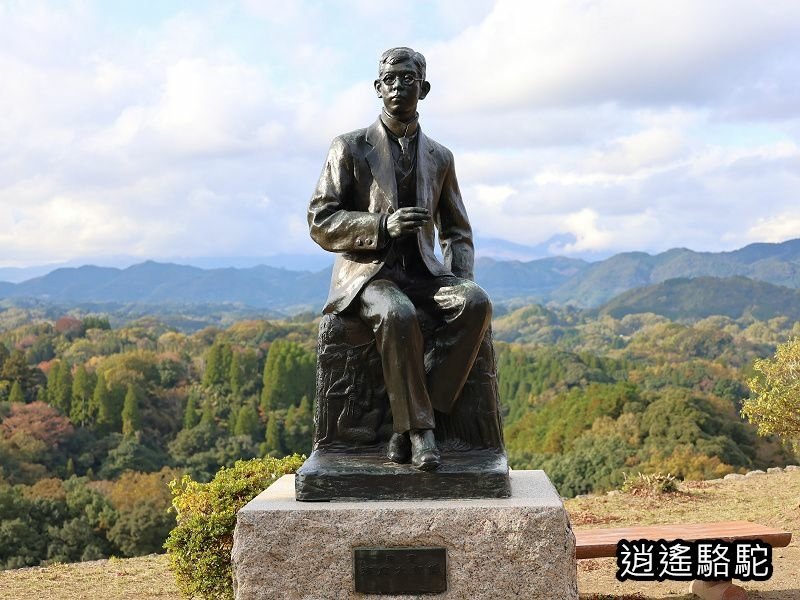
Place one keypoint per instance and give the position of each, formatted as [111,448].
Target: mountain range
[557,280]
[166,283]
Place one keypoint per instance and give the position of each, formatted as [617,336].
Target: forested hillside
[95,419]
[706,296]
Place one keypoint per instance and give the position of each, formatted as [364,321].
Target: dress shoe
[399,448]
[424,453]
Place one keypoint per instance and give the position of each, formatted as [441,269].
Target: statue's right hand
[407,220]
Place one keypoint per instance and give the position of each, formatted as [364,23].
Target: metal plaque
[400,570]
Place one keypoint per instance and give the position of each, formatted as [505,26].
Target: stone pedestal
[517,547]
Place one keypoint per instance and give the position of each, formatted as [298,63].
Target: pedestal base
[517,547]
[371,476]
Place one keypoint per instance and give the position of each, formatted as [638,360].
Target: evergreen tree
[297,428]
[218,364]
[236,374]
[288,375]
[273,445]
[15,368]
[82,390]
[4,354]
[251,374]
[52,382]
[103,403]
[16,394]
[131,418]
[234,408]
[190,415]
[62,393]
[209,415]
[247,422]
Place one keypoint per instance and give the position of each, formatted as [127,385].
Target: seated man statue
[380,194]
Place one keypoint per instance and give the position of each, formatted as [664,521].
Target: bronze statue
[381,192]
[406,404]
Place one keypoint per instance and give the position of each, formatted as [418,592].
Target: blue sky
[196,129]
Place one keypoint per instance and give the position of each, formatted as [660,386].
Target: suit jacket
[356,193]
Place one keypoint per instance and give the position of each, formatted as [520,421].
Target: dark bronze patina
[405,364]
[400,570]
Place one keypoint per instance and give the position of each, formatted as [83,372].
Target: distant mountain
[158,283]
[535,279]
[555,279]
[292,262]
[601,281]
[702,297]
[17,274]
[259,287]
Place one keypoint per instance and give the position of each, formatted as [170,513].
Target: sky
[157,130]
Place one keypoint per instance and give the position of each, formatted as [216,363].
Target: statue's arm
[455,233]
[331,224]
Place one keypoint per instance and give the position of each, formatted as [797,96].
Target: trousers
[388,305]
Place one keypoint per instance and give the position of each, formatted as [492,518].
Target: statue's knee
[401,315]
[477,303]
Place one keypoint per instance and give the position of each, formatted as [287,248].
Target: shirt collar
[398,128]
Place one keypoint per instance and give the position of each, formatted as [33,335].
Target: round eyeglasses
[407,79]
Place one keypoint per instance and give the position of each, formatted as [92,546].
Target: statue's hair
[394,55]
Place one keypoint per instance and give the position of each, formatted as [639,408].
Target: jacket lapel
[426,169]
[379,159]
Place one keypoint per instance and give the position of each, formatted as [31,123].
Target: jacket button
[390,210]
[369,242]
[359,242]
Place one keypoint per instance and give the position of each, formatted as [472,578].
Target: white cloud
[649,148]
[775,229]
[576,52]
[623,125]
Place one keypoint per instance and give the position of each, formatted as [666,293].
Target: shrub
[650,485]
[774,404]
[199,547]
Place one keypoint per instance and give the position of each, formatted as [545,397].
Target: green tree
[273,443]
[191,416]
[774,403]
[104,403]
[247,422]
[96,322]
[218,364]
[16,394]
[131,416]
[236,374]
[142,501]
[209,414]
[52,382]
[4,354]
[83,533]
[131,455]
[61,394]
[83,386]
[15,368]
[298,427]
[288,375]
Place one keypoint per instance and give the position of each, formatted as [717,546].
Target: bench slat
[596,543]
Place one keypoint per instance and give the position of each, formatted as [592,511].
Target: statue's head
[401,81]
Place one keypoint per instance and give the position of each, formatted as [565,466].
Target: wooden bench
[598,543]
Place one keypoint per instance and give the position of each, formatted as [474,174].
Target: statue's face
[401,88]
